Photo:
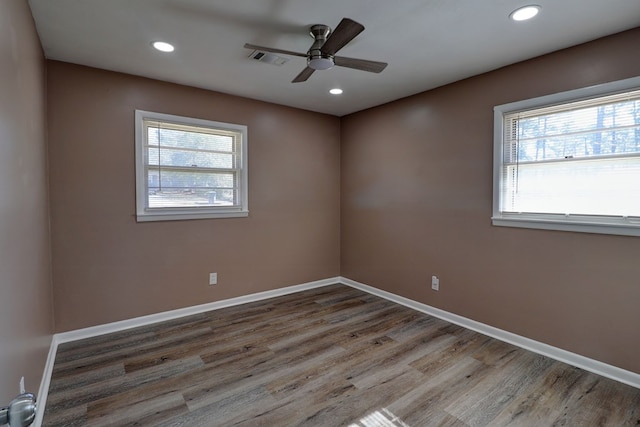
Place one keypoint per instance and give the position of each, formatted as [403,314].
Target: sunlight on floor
[381,418]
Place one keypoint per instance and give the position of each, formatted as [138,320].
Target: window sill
[147,217]
[579,226]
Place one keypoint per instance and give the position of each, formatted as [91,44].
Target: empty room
[299,213]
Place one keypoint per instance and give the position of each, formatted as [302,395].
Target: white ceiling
[427,43]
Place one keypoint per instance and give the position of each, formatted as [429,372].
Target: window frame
[144,213]
[626,226]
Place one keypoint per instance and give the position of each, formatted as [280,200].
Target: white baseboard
[43,391]
[573,359]
[122,325]
[591,365]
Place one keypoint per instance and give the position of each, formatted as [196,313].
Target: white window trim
[144,214]
[578,223]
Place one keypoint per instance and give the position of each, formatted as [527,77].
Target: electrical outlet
[213,278]
[435,283]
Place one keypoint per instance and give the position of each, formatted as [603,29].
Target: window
[570,161]
[189,168]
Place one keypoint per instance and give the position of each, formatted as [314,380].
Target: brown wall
[417,197]
[108,267]
[26,319]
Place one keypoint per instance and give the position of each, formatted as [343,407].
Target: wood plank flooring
[332,356]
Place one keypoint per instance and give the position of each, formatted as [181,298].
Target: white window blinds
[572,161]
[189,168]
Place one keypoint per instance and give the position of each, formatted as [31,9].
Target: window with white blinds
[570,161]
[189,168]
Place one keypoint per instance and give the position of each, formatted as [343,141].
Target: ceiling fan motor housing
[316,59]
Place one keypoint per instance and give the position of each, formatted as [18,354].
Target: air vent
[269,58]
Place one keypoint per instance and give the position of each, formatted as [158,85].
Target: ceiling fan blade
[346,31]
[304,75]
[360,64]
[274,50]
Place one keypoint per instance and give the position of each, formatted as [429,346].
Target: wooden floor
[332,356]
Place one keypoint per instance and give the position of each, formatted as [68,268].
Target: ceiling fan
[321,54]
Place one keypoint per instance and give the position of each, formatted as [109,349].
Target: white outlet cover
[213,278]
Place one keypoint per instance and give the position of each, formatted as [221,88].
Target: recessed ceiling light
[525,12]
[335,91]
[163,47]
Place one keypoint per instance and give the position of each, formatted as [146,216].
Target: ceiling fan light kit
[320,63]
[321,54]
